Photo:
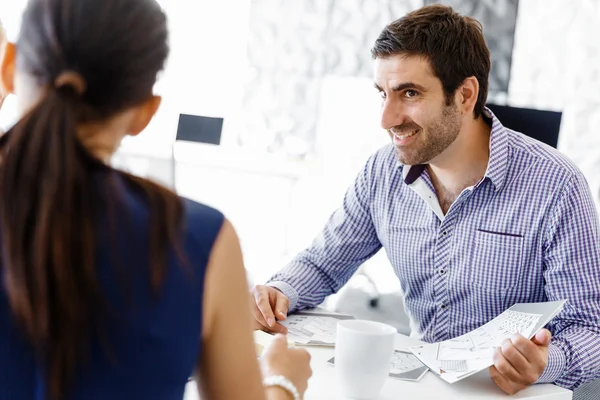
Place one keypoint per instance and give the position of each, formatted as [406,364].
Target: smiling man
[474,217]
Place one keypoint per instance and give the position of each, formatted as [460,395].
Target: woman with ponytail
[112,286]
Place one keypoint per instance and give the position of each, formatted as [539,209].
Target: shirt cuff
[288,291]
[556,365]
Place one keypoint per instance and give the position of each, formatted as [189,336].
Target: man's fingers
[277,328]
[282,305]
[504,366]
[542,338]
[501,381]
[497,377]
[281,328]
[256,326]
[258,318]
[504,383]
[526,347]
[271,306]
[518,352]
[261,324]
[264,306]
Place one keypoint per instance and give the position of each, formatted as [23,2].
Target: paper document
[404,366]
[457,358]
[313,329]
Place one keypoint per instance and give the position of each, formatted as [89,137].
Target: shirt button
[443,306]
[442,271]
[445,233]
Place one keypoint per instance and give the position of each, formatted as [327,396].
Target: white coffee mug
[363,353]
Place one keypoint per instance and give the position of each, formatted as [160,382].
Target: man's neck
[462,164]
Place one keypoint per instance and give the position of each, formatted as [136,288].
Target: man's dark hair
[453,44]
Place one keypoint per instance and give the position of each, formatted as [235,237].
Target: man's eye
[410,94]
[382,94]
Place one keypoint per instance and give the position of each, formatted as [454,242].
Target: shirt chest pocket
[496,260]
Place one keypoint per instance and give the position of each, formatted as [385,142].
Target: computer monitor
[195,128]
[200,129]
[538,124]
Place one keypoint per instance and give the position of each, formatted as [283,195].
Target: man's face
[414,109]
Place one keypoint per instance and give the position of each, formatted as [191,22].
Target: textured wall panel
[288,35]
[293,45]
[353,28]
[557,66]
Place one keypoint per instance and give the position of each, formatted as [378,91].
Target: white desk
[323,386]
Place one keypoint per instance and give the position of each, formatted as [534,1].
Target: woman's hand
[293,363]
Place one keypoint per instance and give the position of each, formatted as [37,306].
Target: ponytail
[47,234]
[57,201]
[49,216]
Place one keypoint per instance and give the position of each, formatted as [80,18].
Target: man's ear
[7,68]
[468,93]
[143,115]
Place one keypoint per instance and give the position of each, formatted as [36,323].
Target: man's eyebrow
[402,86]
[407,85]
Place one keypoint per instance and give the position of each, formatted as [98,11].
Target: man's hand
[519,362]
[269,305]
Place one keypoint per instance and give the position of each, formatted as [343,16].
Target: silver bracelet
[282,382]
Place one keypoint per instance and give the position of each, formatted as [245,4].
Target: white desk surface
[323,386]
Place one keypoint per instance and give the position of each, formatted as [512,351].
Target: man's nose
[391,114]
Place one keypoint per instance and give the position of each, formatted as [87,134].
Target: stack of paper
[458,358]
[313,329]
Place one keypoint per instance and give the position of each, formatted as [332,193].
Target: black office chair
[538,124]
[198,129]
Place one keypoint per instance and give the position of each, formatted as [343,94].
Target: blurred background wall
[291,80]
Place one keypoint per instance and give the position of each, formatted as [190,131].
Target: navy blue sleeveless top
[154,342]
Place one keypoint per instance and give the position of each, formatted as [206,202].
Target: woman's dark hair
[49,192]
[453,44]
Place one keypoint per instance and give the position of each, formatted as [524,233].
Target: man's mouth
[405,135]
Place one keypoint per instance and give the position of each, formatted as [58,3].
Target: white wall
[10,14]
[205,72]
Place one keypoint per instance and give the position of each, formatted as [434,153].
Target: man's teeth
[406,135]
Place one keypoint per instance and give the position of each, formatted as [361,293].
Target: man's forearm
[303,283]
[348,239]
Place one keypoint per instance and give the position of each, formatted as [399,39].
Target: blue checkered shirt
[527,232]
